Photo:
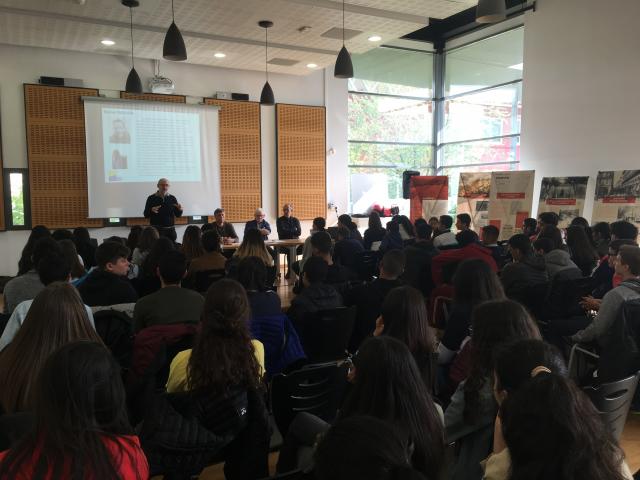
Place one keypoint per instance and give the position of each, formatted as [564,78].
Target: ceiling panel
[229,26]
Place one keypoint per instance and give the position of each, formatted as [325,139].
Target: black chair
[566,289]
[613,400]
[325,334]
[366,265]
[201,281]
[315,389]
[116,330]
[532,298]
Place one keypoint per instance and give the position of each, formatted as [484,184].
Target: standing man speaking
[162,209]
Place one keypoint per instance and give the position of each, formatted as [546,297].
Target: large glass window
[482,108]
[390,124]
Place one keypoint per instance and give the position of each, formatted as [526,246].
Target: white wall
[19,65]
[581,97]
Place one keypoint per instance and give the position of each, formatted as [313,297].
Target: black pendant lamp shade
[266,97]
[344,67]
[491,11]
[134,85]
[173,48]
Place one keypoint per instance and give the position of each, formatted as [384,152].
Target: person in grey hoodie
[627,265]
[555,259]
[526,270]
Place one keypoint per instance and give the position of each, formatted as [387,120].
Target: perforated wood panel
[240,158]
[57,157]
[154,97]
[301,159]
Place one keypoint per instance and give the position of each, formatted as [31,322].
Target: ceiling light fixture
[266,97]
[174,48]
[219,55]
[107,42]
[344,67]
[134,85]
[374,38]
[491,11]
[312,65]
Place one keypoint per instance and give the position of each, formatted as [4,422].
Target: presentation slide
[131,144]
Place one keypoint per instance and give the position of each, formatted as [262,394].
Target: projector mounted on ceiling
[160,84]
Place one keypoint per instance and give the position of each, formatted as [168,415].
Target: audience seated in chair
[215,405]
[192,243]
[403,316]
[346,249]
[252,246]
[393,239]
[337,275]
[76,269]
[547,427]
[368,298]
[212,259]
[627,266]
[364,447]
[108,284]
[375,233]
[469,247]
[56,317]
[252,275]
[85,247]
[463,222]
[148,237]
[389,387]
[148,282]
[81,427]
[316,295]
[417,270]
[52,268]
[525,271]
[25,263]
[345,220]
[602,276]
[28,285]
[470,416]
[172,303]
[583,253]
[473,284]
[443,236]
[601,238]
[490,236]
[318,225]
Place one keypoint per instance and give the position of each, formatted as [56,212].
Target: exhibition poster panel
[429,196]
[617,197]
[564,196]
[510,200]
[473,197]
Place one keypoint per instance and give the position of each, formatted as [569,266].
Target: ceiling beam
[362,10]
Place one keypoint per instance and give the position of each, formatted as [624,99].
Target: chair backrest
[366,264]
[566,289]
[205,278]
[533,299]
[116,330]
[620,352]
[327,334]
[613,400]
[315,389]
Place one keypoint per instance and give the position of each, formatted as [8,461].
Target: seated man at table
[288,228]
[225,230]
[259,223]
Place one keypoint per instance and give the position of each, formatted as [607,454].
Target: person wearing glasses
[162,208]
[259,223]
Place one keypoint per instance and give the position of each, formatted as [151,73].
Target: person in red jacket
[469,248]
[81,428]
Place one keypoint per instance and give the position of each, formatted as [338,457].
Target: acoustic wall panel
[56,154]
[240,158]
[301,137]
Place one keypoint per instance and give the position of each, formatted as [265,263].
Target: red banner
[427,188]
[560,201]
[510,195]
[619,200]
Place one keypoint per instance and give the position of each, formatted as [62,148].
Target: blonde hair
[253,246]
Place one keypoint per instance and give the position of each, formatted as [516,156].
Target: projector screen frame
[149,103]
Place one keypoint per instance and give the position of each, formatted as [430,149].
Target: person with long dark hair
[192,243]
[147,238]
[387,385]
[86,249]
[375,233]
[25,263]
[133,238]
[404,317]
[56,317]
[252,275]
[474,283]
[364,447]
[549,426]
[470,416]
[582,251]
[70,253]
[81,427]
[345,220]
[601,238]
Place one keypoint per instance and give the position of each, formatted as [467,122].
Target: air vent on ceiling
[337,33]
[283,62]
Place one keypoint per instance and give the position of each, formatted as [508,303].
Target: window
[16,187]
[390,124]
[482,108]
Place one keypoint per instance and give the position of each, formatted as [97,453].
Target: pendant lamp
[134,85]
[344,67]
[266,97]
[173,48]
[491,11]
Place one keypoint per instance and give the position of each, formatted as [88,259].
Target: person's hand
[498,439]
[227,240]
[264,231]
[155,209]
[178,206]
[379,327]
